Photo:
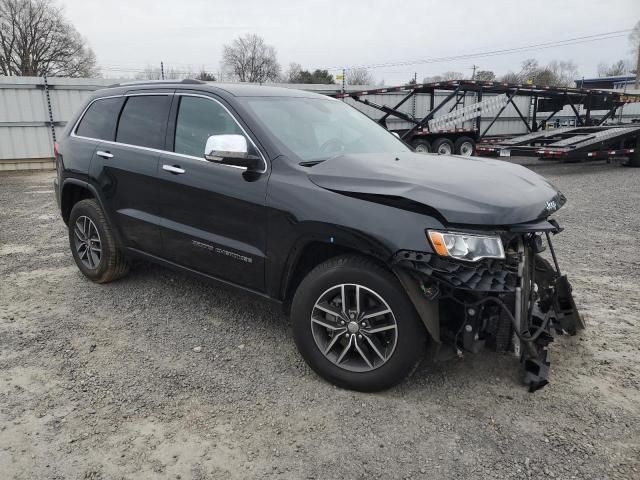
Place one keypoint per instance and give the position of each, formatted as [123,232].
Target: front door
[214,218]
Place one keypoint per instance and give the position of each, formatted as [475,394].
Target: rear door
[215,219]
[127,169]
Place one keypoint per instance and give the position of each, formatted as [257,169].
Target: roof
[614,78]
[235,89]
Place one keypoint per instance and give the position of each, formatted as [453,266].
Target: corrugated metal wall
[25,128]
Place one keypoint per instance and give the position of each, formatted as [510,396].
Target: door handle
[173,169]
[102,154]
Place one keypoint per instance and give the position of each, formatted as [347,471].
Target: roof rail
[187,81]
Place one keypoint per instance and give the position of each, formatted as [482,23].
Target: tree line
[37,40]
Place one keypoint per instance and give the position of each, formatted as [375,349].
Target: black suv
[376,251]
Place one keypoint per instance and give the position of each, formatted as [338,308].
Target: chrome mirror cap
[219,147]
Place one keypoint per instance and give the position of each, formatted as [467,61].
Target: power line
[546,45]
[491,53]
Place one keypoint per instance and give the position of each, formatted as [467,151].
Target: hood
[464,190]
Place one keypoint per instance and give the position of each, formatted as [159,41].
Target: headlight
[466,246]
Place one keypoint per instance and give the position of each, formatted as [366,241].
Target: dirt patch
[102,382]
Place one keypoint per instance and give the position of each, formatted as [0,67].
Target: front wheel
[355,326]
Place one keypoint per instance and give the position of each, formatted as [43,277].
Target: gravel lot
[101,381]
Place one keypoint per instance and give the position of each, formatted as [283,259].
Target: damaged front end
[515,303]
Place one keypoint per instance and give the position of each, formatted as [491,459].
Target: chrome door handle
[172,169]
[102,154]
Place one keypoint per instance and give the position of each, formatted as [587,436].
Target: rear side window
[99,121]
[143,121]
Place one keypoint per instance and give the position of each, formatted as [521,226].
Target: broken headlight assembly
[466,246]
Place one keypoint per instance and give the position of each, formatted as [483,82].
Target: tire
[109,263]
[421,146]
[443,146]
[465,146]
[396,350]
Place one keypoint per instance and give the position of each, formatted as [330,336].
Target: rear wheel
[355,326]
[443,146]
[421,146]
[93,245]
[465,146]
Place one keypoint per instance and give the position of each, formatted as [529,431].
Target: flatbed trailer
[576,143]
[438,132]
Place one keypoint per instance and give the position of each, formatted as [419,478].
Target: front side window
[143,121]
[99,121]
[198,119]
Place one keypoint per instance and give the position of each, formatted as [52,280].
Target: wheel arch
[74,190]
[312,253]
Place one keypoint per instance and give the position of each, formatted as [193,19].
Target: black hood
[464,190]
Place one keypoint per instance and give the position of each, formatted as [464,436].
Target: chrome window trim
[264,161]
[156,150]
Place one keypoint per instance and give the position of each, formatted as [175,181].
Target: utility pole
[473,75]
[637,86]
[162,70]
[343,80]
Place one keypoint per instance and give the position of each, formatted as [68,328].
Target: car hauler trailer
[578,143]
[453,126]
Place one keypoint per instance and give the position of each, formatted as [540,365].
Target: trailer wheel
[465,146]
[421,146]
[443,146]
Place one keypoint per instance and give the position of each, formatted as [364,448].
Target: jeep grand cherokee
[376,251]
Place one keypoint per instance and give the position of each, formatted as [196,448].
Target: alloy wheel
[354,327]
[87,242]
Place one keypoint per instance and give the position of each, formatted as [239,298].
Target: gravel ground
[102,381]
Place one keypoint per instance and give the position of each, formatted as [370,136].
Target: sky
[128,35]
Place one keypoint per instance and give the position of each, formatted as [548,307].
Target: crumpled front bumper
[531,293]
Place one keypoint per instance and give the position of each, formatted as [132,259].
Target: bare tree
[154,73]
[634,39]
[251,60]
[555,74]
[618,68]
[444,77]
[485,76]
[36,40]
[293,73]
[205,76]
[564,73]
[359,76]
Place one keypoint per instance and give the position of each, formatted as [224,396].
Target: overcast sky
[131,34]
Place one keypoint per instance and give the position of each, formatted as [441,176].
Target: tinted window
[100,119]
[143,121]
[199,118]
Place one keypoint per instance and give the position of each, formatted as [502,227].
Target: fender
[337,239]
[96,195]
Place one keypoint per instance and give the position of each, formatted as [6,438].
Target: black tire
[465,146]
[421,145]
[443,146]
[112,264]
[410,334]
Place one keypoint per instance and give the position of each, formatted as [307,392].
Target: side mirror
[230,150]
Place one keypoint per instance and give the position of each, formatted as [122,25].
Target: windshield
[316,129]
